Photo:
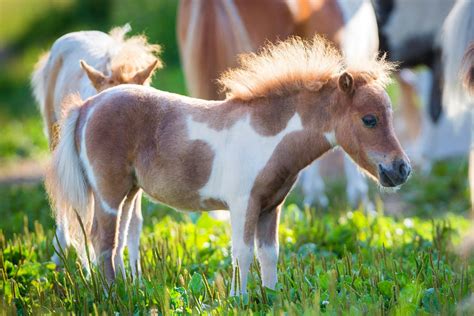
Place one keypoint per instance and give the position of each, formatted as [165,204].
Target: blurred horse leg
[357,189]
[60,242]
[313,187]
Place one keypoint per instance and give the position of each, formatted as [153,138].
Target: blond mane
[297,64]
[133,53]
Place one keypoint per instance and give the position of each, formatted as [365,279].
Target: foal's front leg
[243,230]
[267,246]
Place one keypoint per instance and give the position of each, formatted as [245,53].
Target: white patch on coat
[240,153]
[242,254]
[360,37]
[331,138]
[268,259]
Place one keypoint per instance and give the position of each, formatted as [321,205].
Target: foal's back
[140,134]
[95,47]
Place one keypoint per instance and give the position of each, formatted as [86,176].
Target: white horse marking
[240,154]
[268,258]
[331,138]
[88,167]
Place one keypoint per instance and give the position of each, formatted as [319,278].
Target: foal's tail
[67,185]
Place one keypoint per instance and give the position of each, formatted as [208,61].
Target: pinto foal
[115,60]
[285,108]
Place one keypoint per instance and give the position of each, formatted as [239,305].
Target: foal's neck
[270,116]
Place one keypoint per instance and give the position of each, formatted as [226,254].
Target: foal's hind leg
[124,224]
[267,246]
[134,231]
[108,206]
[106,219]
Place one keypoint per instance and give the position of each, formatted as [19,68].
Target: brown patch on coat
[267,227]
[150,148]
[268,116]
[218,31]
[214,204]
[323,17]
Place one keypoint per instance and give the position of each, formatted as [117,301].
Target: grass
[29,29]
[331,261]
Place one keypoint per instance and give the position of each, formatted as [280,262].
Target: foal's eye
[370,121]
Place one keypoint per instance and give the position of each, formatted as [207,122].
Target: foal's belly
[178,195]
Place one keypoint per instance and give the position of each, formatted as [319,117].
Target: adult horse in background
[211,34]
[86,63]
[412,42]
[467,75]
[285,107]
[458,62]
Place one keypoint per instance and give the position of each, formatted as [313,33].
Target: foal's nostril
[404,169]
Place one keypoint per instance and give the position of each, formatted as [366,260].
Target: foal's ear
[143,75]
[346,83]
[96,77]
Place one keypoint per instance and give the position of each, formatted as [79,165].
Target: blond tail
[67,185]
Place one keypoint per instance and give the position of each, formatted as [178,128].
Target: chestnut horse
[113,60]
[212,33]
[285,107]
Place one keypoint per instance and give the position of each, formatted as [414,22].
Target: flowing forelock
[133,53]
[296,64]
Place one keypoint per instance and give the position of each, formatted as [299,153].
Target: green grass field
[334,261]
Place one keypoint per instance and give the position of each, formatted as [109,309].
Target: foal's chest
[240,153]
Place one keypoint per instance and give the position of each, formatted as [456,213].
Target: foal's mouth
[385,179]
[393,177]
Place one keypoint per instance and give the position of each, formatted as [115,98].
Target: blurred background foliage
[29,27]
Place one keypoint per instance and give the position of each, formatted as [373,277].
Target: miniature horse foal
[285,108]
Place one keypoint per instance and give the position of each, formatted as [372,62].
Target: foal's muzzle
[394,175]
